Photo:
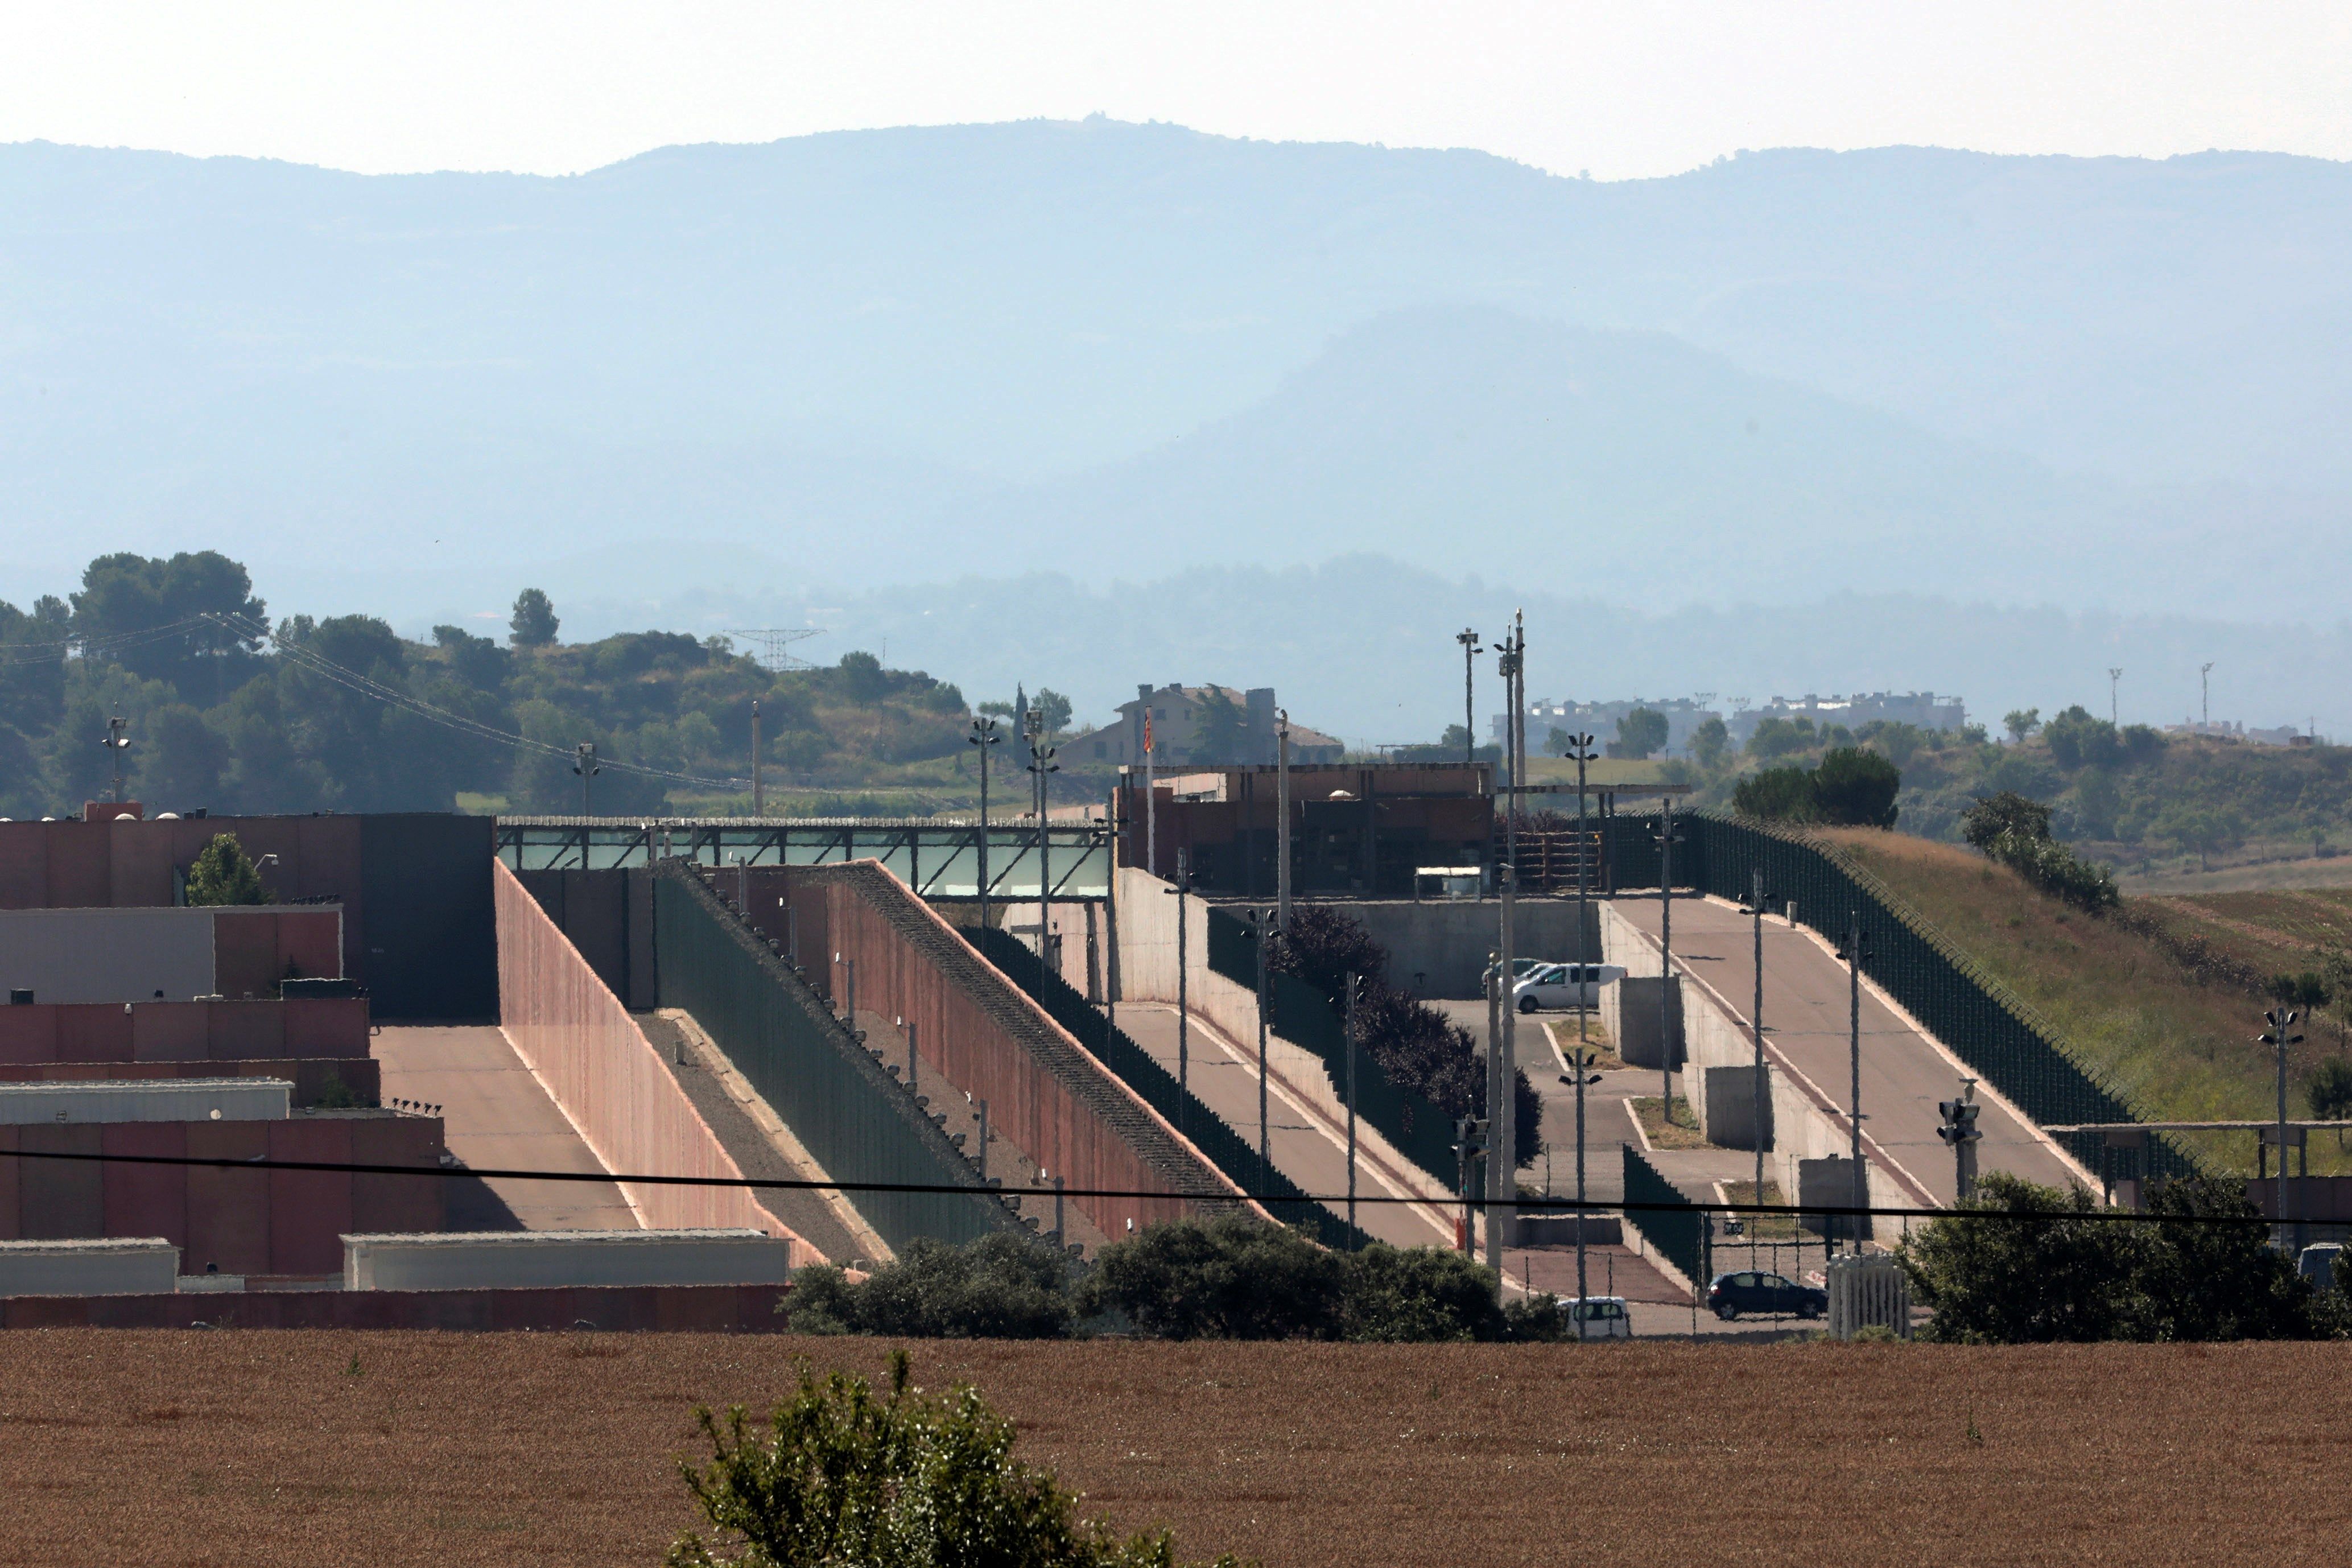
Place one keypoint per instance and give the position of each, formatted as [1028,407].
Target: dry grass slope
[2181,1043]
[172,1451]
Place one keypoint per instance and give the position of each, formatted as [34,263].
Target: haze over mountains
[728,386]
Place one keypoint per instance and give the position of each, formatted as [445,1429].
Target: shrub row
[1233,1277]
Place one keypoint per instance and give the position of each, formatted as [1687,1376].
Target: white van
[1600,1318]
[1564,985]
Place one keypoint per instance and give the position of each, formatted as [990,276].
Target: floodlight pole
[1502,1100]
[1853,1015]
[2115,680]
[1580,748]
[1470,652]
[2205,695]
[1355,989]
[1282,830]
[984,735]
[116,743]
[759,780]
[1263,929]
[586,764]
[1041,763]
[2282,1036]
[1667,959]
[1756,1021]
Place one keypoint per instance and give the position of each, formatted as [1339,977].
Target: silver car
[1564,985]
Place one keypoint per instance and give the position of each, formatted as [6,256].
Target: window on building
[1102,749]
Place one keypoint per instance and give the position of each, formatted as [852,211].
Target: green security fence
[858,1122]
[1420,1130]
[1225,1148]
[1680,1230]
[2000,1037]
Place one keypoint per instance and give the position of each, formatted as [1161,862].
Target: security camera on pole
[2279,1035]
[1959,1131]
[116,743]
[585,763]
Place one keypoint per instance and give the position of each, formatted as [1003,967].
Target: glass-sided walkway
[936,859]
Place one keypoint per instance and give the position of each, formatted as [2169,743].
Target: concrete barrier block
[147,1099]
[480,1260]
[1630,1009]
[1729,1108]
[123,1267]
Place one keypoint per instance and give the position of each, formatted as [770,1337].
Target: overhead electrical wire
[783,1184]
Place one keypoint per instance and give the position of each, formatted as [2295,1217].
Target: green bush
[906,1481]
[1229,1278]
[1417,1294]
[2015,831]
[1002,1287]
[2063,1274]
[1776,794]
[222,873]
[1854,788]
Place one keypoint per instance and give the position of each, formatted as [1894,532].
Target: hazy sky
[1620,89]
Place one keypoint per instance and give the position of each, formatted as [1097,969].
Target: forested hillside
[227,711]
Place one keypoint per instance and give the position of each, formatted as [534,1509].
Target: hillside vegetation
[2135,798]
[2164,996]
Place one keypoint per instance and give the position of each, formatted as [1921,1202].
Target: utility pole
[1282,806]
[1666,837]
[116,743]
[1580,748]
[1355,989]
[2281,1036]
[1264,931]
[1853,949]
[1581,1062]
[759,780]
[1151,794]
[1757,899]
[1502,1099]
[984,735]
[2205,695]
[1183,1001]
[586,764]
[1959,1131]
[2115,680]
[1041,763]
[1470,652]
[1508,661]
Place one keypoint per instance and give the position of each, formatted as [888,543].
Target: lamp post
[1182,889]
[1502,1098]
[1757,899]
[585,763]
[1261,929]
[1580,748]
[1282,807]
[759,777]
[2279,1035]
[984,735]
[1856,946]
[1355,990]
[1580,1062]
[1667,838]
[1041,763]
[1470,652]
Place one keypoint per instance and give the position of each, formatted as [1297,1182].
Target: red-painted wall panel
[147,1200]
[309,1210]
[228,1209]
[61,1197]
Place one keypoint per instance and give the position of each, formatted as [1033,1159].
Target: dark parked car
[1732,1294]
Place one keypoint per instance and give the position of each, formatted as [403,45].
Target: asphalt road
[495,1115]
[1806,1016]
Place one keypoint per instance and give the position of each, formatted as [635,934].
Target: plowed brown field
[265,1449]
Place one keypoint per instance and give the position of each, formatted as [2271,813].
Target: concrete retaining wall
[468,1261]
[1148,967]
[1630,1010]
[144,1265]
[118,955]
[603,1074]
[1447,943]
[1803,1126]
[346,1080]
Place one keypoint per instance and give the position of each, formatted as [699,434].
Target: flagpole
[1150,798]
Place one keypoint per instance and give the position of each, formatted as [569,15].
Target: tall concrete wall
[984,1036]
[245,1221]
[603,1073]
[1447,943]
